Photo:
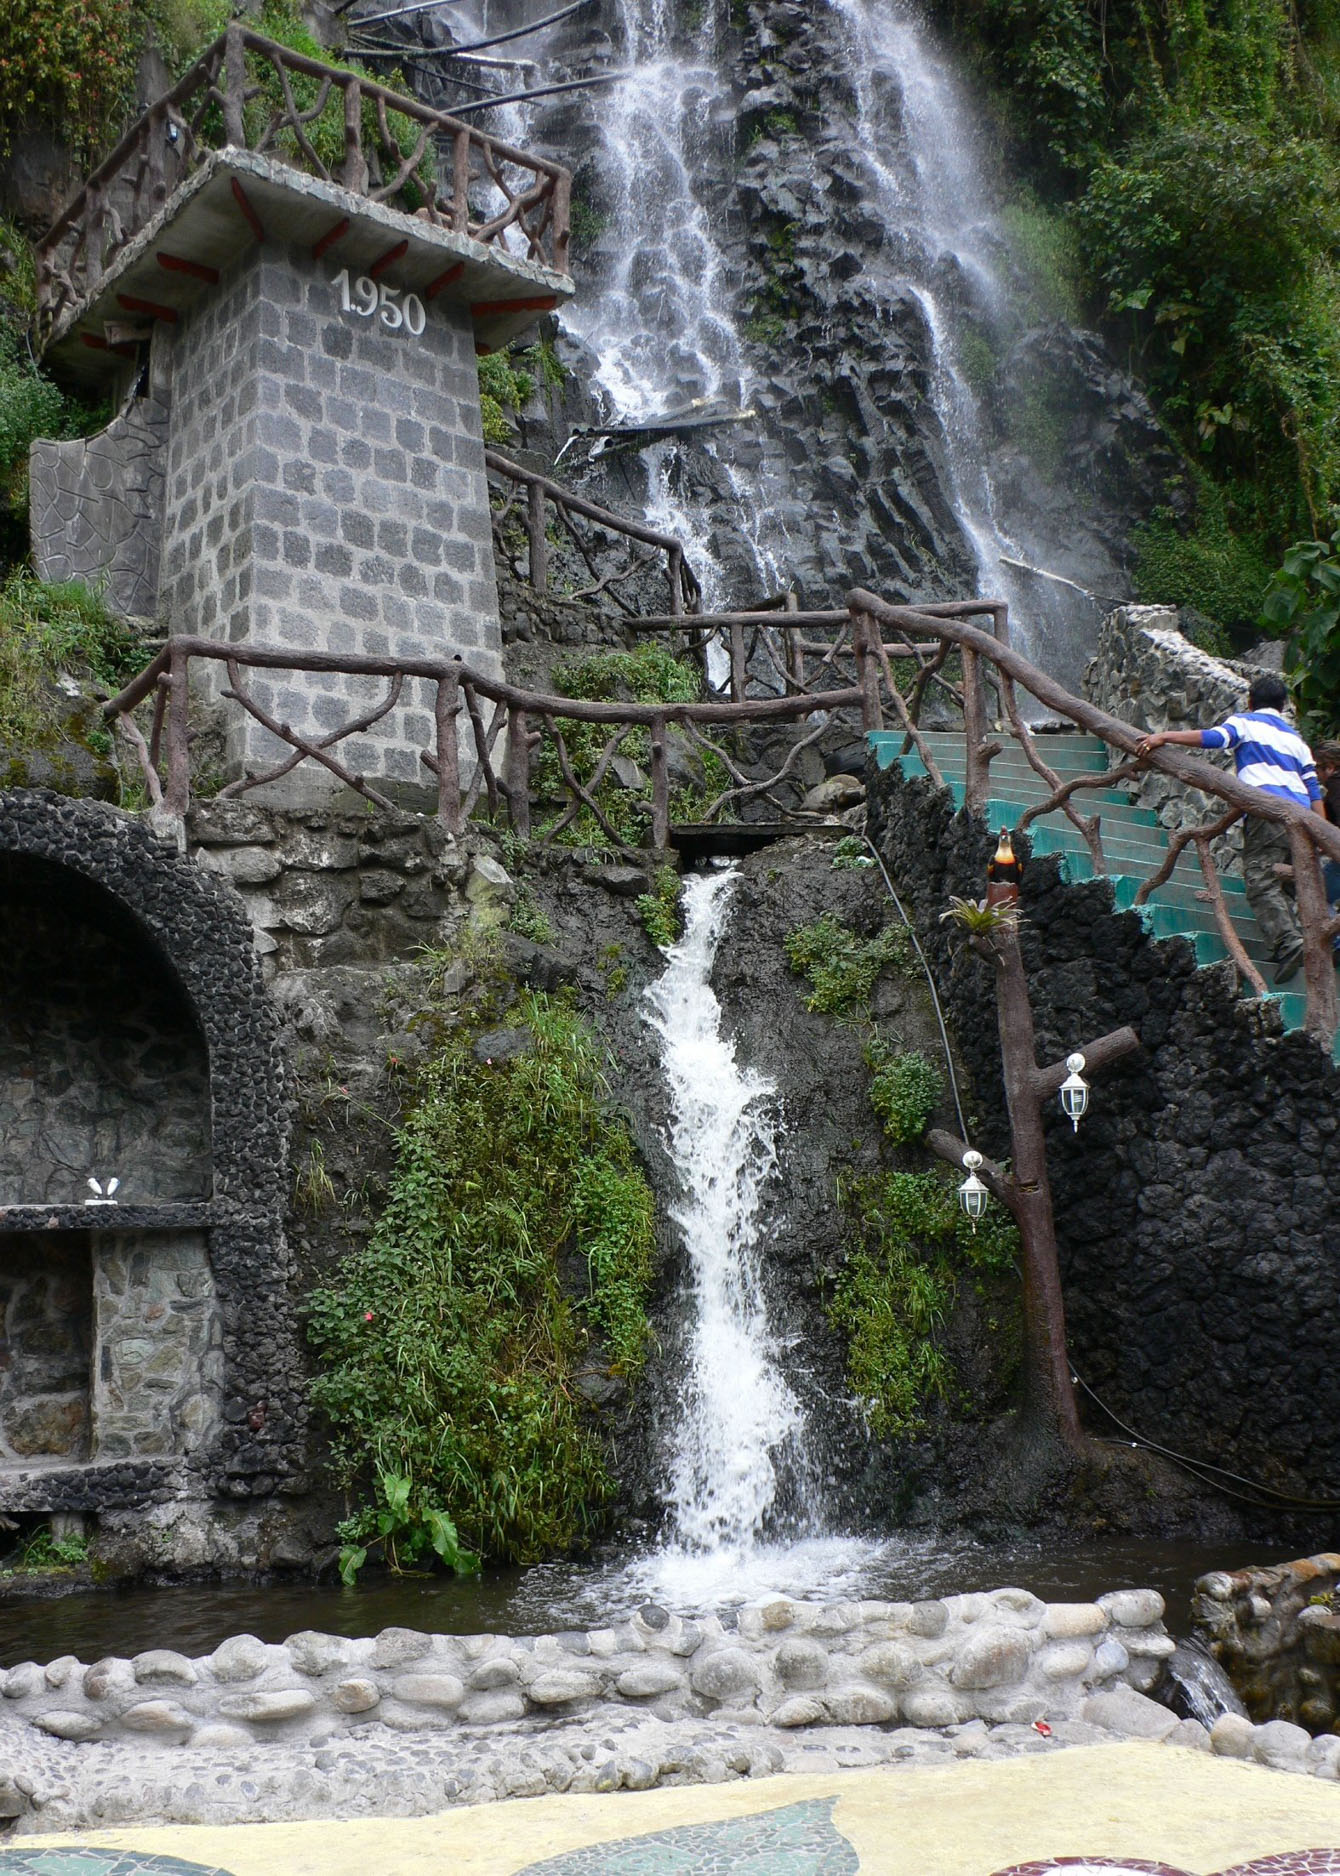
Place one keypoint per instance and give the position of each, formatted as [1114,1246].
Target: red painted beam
[177,264]
[150,308]
[331,236]
[434,287]
[253,219]
[96,343]
[379,267]
[487,309]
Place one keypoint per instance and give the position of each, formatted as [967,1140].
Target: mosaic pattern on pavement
[799,1840]
[1288,1863]
[65,1860]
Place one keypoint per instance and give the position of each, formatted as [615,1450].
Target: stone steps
[1134,843]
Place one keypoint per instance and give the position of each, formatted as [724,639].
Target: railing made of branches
[537,503]
[990,663]
[248,92]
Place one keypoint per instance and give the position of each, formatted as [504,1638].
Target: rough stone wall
[199,933]
[1146,672]
[326,490]
[159,1339]
[1195,1206]
[1276,1633]
[998,1656]
[102,1066]
[96,503]
[46,1342]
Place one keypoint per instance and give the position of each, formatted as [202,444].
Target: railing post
[738,670]
[518,772]
[867,670]
[460,183]
[177,795]
[675,568]
[562,231]
[977,767]
[448,753]
[1314,915]
[234,87]
[354,170]
[660,787]
[535,536]
[794,657]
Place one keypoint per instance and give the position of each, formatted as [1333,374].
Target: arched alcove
[148,1350]
[103,1068]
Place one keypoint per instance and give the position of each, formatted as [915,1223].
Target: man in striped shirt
[1268,754]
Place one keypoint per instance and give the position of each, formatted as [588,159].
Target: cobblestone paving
[1289,1863]
[799,1840]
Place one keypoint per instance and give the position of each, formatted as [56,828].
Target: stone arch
[248,1440]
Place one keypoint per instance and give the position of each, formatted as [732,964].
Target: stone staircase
[1134,843]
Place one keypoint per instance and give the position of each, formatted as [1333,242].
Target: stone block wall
[1000,1656]
[1195,1206]
[326,489]
[96,503]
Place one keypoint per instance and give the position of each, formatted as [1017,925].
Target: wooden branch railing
[544,496]
[1311,837]
[334,123]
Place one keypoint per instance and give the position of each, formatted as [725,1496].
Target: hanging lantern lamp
[972,1194]
[1075,1090]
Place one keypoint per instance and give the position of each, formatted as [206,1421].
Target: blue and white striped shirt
[1267,754]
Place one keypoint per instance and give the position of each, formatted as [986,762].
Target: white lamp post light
[972,1194]
[1075,1090]
[103,1195]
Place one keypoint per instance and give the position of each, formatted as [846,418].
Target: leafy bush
[515,1248]
[72,63]
[44,631]
[904,1090]
[1304,601]
[31,406]
[1208,566]
[406,1531]
[897,1290]
[842,967]
[651,674]
[659,909]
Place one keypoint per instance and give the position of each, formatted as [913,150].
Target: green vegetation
[904,1090]
[842,967]
[513,1253]
[651,674]
[405,1531]
[1188,157]
[850,855]
[31,406]
[659,909]
[40,1554]
[46,631]
[896,1292]
[528,919]
[1304,600]
[507,382]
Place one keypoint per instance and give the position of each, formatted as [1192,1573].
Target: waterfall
[737,1415]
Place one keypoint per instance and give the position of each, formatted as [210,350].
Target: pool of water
[194,1619]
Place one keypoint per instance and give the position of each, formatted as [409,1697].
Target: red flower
[367,1315]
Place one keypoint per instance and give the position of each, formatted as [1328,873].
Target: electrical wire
[935,995]
[1198,1468]
[1268,1496]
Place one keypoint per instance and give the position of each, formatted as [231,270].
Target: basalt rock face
[1194,1206]
[841,469]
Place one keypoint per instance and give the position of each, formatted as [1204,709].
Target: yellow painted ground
[1199,1813]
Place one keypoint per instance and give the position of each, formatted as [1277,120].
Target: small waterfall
[737,1416]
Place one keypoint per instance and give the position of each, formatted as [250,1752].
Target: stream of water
[737,1415]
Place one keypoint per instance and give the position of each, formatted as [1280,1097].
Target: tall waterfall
[737,1414]
[665,325]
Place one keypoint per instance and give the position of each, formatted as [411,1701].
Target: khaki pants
[1265,845]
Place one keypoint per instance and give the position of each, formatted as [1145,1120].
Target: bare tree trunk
[1048,1395]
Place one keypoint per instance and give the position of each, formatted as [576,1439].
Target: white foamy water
[737,1411]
